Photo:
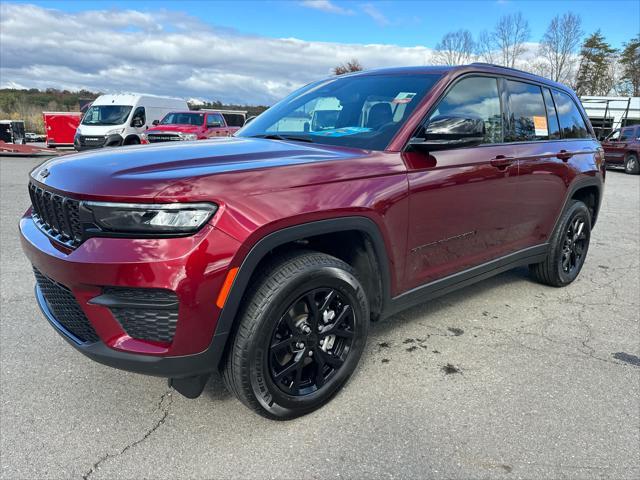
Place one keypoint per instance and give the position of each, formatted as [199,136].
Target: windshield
[180,118]
[360,111]
[106,115]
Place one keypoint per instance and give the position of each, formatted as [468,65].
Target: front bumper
[193,267]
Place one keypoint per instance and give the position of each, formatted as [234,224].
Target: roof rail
[501,66]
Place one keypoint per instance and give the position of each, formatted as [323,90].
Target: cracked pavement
[504,379]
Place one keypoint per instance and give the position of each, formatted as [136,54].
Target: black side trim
[466,277]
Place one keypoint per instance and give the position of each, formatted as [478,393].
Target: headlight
[151,218]
[115,131]
[188,136]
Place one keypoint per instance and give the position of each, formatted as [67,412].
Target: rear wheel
[299,337]
[568,247]
[631,164]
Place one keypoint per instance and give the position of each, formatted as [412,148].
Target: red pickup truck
[622,149]
[190,125]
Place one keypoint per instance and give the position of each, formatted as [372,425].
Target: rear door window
[475,97]
[626,135]
[527,113]
[214,120]
[571,121]
[552,115]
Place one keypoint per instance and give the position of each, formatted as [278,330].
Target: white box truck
[115,120]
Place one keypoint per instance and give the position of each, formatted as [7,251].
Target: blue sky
[253,52]
[405,23]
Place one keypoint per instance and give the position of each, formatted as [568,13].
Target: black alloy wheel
[311,341]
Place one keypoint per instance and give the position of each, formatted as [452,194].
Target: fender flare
[579,184]
[289,234]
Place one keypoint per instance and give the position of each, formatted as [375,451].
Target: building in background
[608,113]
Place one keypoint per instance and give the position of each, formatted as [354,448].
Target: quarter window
[475,97]
[571,121]
[527,113]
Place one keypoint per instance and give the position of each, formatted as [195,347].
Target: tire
[631,164]
[568,248]
[268,365]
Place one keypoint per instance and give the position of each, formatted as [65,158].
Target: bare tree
[510,34]
[486,47]
[559,44]
[455,48]
[352,65]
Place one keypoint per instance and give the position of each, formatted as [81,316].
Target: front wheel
[567,249]
[299,337]
[631,164]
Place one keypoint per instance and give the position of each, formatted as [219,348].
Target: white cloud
[375,14]
[168,53]
[327,6]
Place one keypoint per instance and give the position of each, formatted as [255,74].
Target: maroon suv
[622,149]
[267,254]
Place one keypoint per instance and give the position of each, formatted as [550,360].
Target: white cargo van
[114,120]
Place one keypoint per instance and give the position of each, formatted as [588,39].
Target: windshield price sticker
[403,97]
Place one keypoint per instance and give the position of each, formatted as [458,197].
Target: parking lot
[507,378]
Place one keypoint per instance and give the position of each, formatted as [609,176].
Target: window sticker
[403,97]
[341,132]
[540,125]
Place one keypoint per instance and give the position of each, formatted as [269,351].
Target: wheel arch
[129,139]
[373,246]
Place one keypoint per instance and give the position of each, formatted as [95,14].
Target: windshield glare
[361,111]
[106,115]
[180,118]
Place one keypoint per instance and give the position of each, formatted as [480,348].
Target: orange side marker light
[226,287]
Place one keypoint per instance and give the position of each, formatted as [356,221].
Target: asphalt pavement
[505,379]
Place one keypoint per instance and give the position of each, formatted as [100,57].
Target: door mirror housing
[155,122]
[448,131]
[137,122]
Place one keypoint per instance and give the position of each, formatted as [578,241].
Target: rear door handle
[564,155]
[502,161]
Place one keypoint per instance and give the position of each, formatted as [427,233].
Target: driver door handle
[501,161]
[564,155]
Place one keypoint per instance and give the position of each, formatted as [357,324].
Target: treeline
[28,105]
[588,64]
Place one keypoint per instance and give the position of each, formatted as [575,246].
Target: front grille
[91,141]
[57,215]
[162,138]
[146,313]
[65,309]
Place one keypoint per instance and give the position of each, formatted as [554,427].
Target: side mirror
[137,122]
[155,122]
[445,132]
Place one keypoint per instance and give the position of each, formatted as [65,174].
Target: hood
[175,128]
[145,171]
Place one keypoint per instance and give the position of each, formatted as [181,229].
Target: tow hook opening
[190,387]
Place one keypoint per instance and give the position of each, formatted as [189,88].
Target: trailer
[12,131]
[60,127]
[609,113]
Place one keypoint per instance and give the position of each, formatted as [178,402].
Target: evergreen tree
[595,72]
[630,63]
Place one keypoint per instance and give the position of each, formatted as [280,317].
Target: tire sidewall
[575,209]
[268,394]
[632,159]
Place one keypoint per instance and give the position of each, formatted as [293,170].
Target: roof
[472,67]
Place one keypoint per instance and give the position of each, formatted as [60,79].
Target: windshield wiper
[275,136]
